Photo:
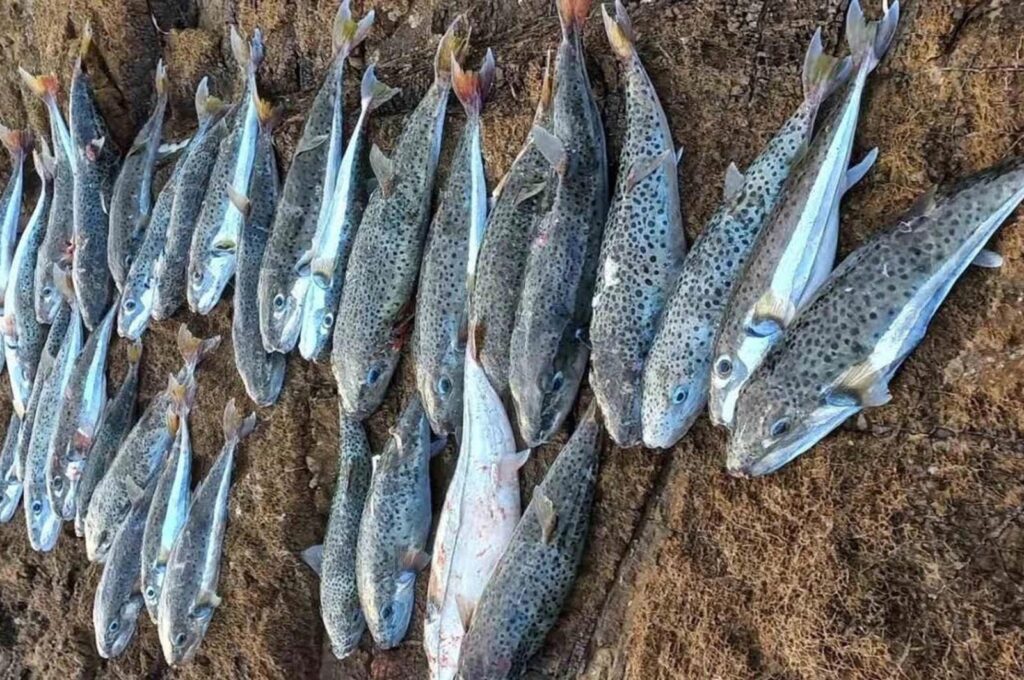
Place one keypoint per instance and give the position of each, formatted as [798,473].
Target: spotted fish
[678,367]
[10,487]
[19,145]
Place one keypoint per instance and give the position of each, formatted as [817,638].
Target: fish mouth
[43,536]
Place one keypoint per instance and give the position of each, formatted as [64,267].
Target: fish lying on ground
[140,455]
[305,197]
[374,315]
[95,163]
[19,145]
[335,231]
[189,597]
[521,199]
[523,597]
[117,419]
[643,246]
[192,176]
[132,199]
[796,247]
[439,336]
[10,487]
[548,352]
[843,349]
[23,335]
[335,560]
[394,528]
[262,372]
[213,252]
[678,368]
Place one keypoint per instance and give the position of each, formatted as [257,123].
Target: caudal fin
[347,33]
[452,46]
[46,164]
[472,87]
[193,350]
[18,143]
[134,353]
[249,55]
[374,93]
[207,106]
[43,86]
[620,31]
[547,90]
[236,427]
[572,14]
[823,73]
[869,40]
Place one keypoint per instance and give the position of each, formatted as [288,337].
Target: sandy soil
[893,549]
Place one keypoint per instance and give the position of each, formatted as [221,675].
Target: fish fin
[551,148]
[620,31]
[529,191]
[192,349]
[347,33]
[856,173]
[237,428]
[45,162]
[85,39]
[988,259]
[507,467]
[207,106]
[547,517]
[371,185]
[312,144]
[303,266]
[822,72]
[134,352]
[168,150]
[373,92]
[208,598]
[182,394]
[452,46]
[42,86]
[313,556]
[134,491]
[924,205]
[268,115]
[477,333]
[383,170]
[173,422]
[734,180]
[572,14]
[472,87]
[770,315]
[466,609]
[869,40]
[241,203]
[547,89]
[861,385]
[645,166]
[160,80]
[414,559]
[18,142]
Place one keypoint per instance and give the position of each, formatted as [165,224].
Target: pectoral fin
[771,314]
[856,173]
[383,170]
[861,386]
[989,259]
[734,180]
[240,201]
[547,516]
[311,144]
[645,166]
[414,559]
[313,556]
[529,191]
[551,148]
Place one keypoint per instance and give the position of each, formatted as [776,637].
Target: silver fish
[796,247]
[10,491]
[19,145]
[678,367]
[189,597]
[844,347]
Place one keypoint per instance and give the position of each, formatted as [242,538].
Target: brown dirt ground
[894,549]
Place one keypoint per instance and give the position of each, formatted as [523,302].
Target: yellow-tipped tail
[547,88]
[85,40]
[161,78]
[452,46]
[620,31]
[134,352]
[347,33]
[18,142]
[42,86]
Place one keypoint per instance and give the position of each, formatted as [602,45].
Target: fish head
[363,381]
[209,275]
[136,305]
[672,400]
[181,631]
[114,621]
[388,621]
[10,496]
[545,388]
[345,629]
[43,522]
[281,311]
[317,325]
[98,535]
[441,391]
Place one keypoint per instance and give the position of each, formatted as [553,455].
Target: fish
[19,145]
[643,248]
[262,372]
[81,406]
[140,456]
[193,175]
[678,367]
[548,352]
[10,492]
[333,238]
[305,197]
[335,560]
[96,161]
[117,419]
[439,334]
[374,315]
[531,582]
[23,335]
[118,600]
[213,252]
[521,198]
[843,349]
[132,200]
[42,518]
[394,527]
[189,597]
[169,507]
[796,247]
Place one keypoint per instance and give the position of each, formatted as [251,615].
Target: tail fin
[161,81]
[85,40]
[547,89]
[620,31]
[207,106]
[268,114]
[572,14]
[823,73]
[45,162]
[18,143]
[134,353]
[453,44]
[183,395]
[236,427]
[247,56]
[373,92]
[472,87]
[44,86]
[869,40]
[346,33]
[193,350]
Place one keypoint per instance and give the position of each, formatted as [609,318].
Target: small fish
[678,368]
[23,335]
[10,486]
[548,351]
[335,560]
[80,407]
[394,528]
[189,594]
[796,247]
[118,601]
[213,252]
[169,509]
[95,163]
[643,246]
[193,175]
[19,145]
[140,456]
[262,372]
[305,198]
[54,248]
[524,596]
[333,238]
[117,419]
[522,198]
[843,349]
[374,316]
[439,336]
[132,200]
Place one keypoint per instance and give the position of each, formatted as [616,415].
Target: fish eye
[179,639]
[58,484]
[444,386]
[386,612]
[150,592]
[279,302]
[129,305]
[327,320]
[114,626]
[197,275]
[780,427]
[127,259]
[37,507]
[557,381]
[372,376]
[47,292]
[723,367]
[104,542]
[679,394]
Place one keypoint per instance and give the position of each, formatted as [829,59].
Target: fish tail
[207,106]
[193,350]
[134,352]
[869,40]
[620,31]
[249,55]
[822,73]
[268,114]
[373,92]
[45,162]
[183,394]
[452,46]
[18,143]
[43,86]
[85,39]
[547,89]
[572,14]
[472,87]
[161,81]
[236,427]
[347,33]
